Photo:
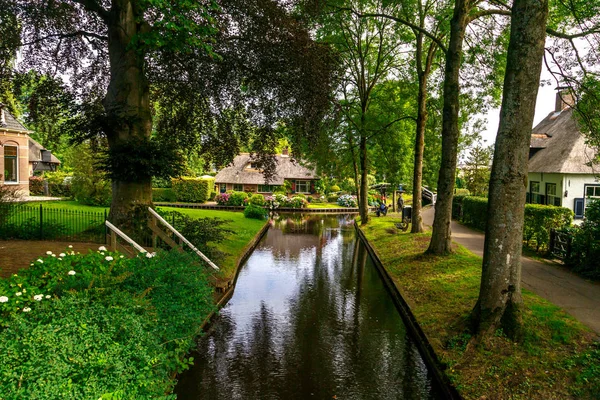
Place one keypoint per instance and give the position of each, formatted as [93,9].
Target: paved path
[575,295]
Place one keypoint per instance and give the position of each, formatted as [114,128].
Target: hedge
[36,185]
[192,190]
[163,194]
[539,219]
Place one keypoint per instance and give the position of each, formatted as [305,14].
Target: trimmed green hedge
[539,219]
[192,190]
[163,194]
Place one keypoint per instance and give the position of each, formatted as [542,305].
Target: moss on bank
[556,360]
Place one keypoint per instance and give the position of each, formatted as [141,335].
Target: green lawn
[556,359]
[245,228]
[324,205]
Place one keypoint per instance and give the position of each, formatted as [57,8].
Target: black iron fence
[39,222]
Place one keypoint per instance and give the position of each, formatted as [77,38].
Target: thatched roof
[35,153]
[561,145]
[9,122]
[238,172]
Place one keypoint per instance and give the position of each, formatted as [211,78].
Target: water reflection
[309,318]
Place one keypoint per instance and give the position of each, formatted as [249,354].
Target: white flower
[24,290]
[53,255]
[26,309]
[121,256]
[48,296]
[18,294]
[150,255]
[38,297]
[102,253]
[60,258]
[108,258]
[62,255]
[48,252]
[70,246]
[102,248]
[40,260]
[71,272]
[3,299]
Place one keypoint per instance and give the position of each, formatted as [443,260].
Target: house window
[303,186]
[591,193]
[266,188]
[11,164]
[551,198]
[238,187]
[222,187]
[534,193]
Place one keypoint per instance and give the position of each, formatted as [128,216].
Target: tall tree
[126,59]
[369,52]
[499,303]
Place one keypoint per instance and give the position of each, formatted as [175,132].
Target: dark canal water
[309,319]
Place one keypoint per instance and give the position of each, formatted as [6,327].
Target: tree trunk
[363,202]
[417,220]
[127,105]
[500,299]
[441,240]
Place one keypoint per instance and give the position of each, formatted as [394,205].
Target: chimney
[285,152]
[564,98]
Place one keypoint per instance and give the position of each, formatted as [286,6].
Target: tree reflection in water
[309,318]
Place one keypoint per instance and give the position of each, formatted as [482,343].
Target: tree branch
[94,6]
[562,35]
[65,36]
[402,21]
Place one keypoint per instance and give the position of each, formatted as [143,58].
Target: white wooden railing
[182,238]
[113,239]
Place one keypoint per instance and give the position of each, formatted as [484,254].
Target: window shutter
[579,203]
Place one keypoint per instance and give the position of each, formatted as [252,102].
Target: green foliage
[192,190]
[477,170]
[332,198]
[320,186]
[36,185]
[334,189]
[89,185]
[461,192]
[85,326]
[163,195]
[287,187]
[585,247]
[237,199]
[138,160]
[255,211]
[539,219]
[257,200]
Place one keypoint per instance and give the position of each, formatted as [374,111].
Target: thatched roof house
[561,172]
[244,175]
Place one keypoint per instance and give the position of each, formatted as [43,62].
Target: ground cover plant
[100,325]
[557,358]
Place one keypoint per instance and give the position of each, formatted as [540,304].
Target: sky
[544,105]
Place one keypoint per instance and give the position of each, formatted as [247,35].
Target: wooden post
[113,240]
[394,200]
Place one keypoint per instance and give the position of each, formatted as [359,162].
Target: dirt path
[17,254]
[555,283]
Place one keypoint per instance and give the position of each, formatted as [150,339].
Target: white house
[561,172]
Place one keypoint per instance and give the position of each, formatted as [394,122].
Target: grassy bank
[556,359]
[245,229]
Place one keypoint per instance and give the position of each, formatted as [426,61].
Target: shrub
[585,247]
[36,185]
[461,192]
[192,190]
[347,200]
[114,326]
[237,199]
[297,202]
[318,200]
[457,201]
[257,200]
[254,211]
[222,199]
[288,187]
[164,195]
[332,198]
[89,185]
[59,183]
[334,188]
[539,219]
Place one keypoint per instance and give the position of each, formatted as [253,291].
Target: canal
[309,319]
